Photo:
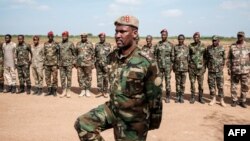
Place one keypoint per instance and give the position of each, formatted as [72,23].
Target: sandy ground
[39,118]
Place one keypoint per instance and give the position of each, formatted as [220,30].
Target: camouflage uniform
[239,65]
[84,63]
[51,54]
[163,56]
[150,51]
[135,102]
[1,68]
[23,61]
[66,60]
[197,68]
[180,57]
[101,52]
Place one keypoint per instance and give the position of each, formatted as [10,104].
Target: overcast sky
[209,17]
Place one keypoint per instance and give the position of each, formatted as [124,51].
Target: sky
[209,17]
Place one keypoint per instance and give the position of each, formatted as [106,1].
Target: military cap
[215,37]
[128,20]
[102,33]
[241,33]
[197,33]
[164,30]
[35,36]
[65,33]
[50,33]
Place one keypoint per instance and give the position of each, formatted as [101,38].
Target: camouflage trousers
[10,75]
[180,78]
[166,73]
[37,73]
[243,79]
[51,71]
[24,74]
[89,126]
[200,78]
[102,78]
[66,76]
[84,74]
[1,74]
[218,79]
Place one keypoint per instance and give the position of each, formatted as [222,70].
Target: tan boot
[68,93]
[105,95]
[82,93]
[64,93]
[213,101]
[88,93]
[222,103]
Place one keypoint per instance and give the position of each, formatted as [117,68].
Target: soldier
[23,61]
[37,65]
[9,49]
[102,49]
[84,63]
[239,68]
[51,54]
[163,55]
[180,57]
[148,48]
[135,105]
[197,66]
[66,61]
[1,68]
[215,62]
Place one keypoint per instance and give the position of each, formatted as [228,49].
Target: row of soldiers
[50,57]
[195,58]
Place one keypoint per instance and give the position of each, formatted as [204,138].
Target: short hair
[8,35]
[181,35]
[149,36]
[21,35]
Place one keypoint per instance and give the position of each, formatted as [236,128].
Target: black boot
[243,104]
[167,97]
[177,97]
[13,89]
[201,100]
[28,89]
[49,91]
[21,90]
[54,91]
[40,91]
[234,103]
[8,89]
[1,87]
[192,99]
[36,90]
[181,97]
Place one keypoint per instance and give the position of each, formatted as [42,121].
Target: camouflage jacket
[37,56]
[135,88]
[23,54]
[197,55]
[180,57]
[85,54]
[163,54]
[67,54]
[1,55]
[239,59]
[51,53]
[215,58]
[150,51]
[101,53]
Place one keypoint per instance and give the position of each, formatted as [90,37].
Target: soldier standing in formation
[9,49]
[84,63]
[239,68]
[37,65]
[197,66]
[23,61]
[1,68]
[148,48]
[66,61]
[180,57]
[135,106]
[163,55]
[102,49]
[51,53]
[216,57]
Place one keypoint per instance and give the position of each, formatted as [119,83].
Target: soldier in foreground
[84,63]
[37,65]
[163,55]
[216,57]
[197,66]
[148,48]
[66,60]
[9,49]
[180,57]
[239,68]
[102,49]
[23,61]
[1,68]
[135,105]
[51,53]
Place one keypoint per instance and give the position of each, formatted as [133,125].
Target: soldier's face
[35,41]
[196,38]
[181,40]
[215,43]
[20,39]
[164,36]
[65,38]
[84,38]
[51,37]
[102,38]
[125,36]
[7,39]
[240,38]
[149,40]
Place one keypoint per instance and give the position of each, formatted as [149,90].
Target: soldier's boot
[88,93]
[8,89]
[213,101]
[167,97]
[54,91]
[182,97]
[201,100]
[28,89]
[192,99]
[36,91]
[13,89]
[243,104]
[82,93]
[177,97]
[1,87]
[49,91]
[64,93]
[222,102]
[68,93]
[21,89]
[105,95]
[234,103]
[40,91]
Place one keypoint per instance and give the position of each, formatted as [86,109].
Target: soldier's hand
[93,66]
